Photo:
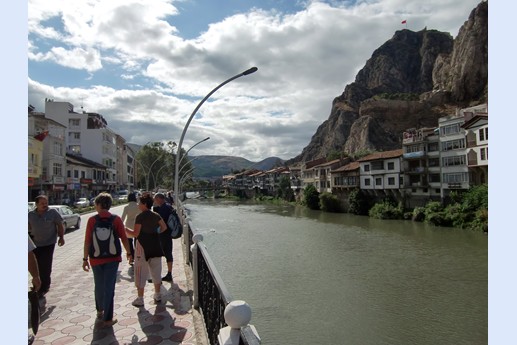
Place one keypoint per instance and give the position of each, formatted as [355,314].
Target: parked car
[92,201]
[82,202]
[70,219]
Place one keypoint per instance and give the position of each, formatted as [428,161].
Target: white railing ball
[237,314]
[197,238]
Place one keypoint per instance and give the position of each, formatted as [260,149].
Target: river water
[321,278]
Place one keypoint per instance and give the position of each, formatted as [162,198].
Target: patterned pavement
[68,310]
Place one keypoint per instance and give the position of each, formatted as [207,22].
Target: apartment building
[421,166]
[453,149]
[87,135]
[46,160]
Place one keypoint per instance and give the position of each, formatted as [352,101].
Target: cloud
[146,79]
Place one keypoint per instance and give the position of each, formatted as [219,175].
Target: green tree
[284,190]
[329,202]
[358,203]
[311,197]
[155,165]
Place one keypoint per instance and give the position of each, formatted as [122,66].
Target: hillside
[217,166]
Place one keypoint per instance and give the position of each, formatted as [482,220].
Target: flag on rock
[403,22]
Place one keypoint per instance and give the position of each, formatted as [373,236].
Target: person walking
[102,253]
[131,210]
[164,209]
[148,251]
[45,227]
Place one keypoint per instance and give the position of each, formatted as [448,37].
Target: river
[312,277]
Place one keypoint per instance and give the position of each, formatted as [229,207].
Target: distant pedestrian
[131,210]
[164,209]
[104,232]
[45,228]
[148,251]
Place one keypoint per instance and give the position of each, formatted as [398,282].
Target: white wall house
[477,148]
[380,172]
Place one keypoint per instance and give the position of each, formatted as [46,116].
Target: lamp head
[249,71]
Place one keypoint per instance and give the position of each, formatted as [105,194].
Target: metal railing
[211,297]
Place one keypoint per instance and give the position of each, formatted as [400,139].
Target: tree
[311,197]
[155,164]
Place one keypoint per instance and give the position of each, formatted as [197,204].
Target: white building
[380,173]
[88,136]
[453,149]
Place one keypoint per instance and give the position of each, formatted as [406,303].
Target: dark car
[70,219]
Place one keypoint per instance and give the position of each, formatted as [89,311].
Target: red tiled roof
[382,155]
[349,167]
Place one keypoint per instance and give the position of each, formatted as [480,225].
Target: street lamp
[186,153]
[176,167]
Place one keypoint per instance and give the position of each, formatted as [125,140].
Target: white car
[70,219]
[82,202]
[32,205]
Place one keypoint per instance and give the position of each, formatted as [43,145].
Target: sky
[145,65]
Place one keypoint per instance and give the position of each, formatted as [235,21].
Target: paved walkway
[68,311]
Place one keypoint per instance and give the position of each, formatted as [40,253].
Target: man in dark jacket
[164,209]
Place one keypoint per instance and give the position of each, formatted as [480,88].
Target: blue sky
[145,64]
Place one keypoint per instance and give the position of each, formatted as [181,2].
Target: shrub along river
[323,278]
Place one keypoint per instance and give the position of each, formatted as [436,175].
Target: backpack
[105,240]
[174,224]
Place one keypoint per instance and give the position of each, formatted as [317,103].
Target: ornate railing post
[237,316]
[194,248]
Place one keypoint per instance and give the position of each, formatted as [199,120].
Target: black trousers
[44,257]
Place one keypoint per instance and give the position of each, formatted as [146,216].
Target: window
[454,160]
[74,135]
[432,147]
[486,133]
[58,148]
[378,165]
[366,181]
[57,169]
[434,178]
[391,166]
[413,148]
[75,149]
[453,144]
[483,153]
[450,129]
[76,173]
[434,162]
[391,181]
[455,177]
[74,122]
[482,134]
[378,181]
[367,167]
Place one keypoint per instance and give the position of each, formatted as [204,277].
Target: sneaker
[157,297]
[138,302]
[167,277]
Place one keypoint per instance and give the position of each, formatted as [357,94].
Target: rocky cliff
[409,82]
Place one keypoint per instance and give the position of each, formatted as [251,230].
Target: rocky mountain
[409,82]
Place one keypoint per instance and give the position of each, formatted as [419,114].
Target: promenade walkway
[68,311]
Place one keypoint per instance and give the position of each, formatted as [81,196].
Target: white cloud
[305,59]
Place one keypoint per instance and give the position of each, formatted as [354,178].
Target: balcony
[413,155]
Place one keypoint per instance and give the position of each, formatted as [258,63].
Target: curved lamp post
[186,153]
[176,167]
